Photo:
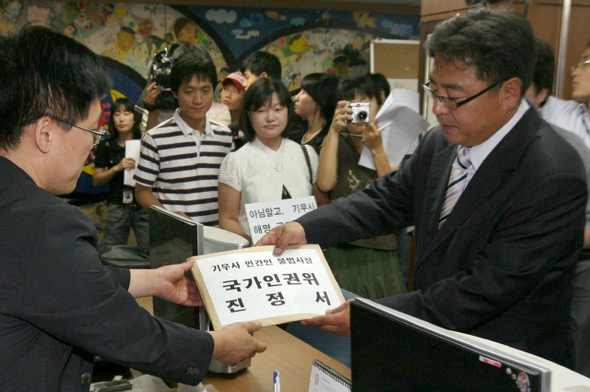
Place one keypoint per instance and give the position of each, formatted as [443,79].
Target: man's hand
[291,233]
[173,286]
[335,320]
[166,282]
[235,342]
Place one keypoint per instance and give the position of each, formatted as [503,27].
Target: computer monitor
[392,351]
[173,239]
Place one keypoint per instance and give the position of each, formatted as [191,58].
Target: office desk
[285,353]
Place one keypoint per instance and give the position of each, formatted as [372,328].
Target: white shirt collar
[256,142]
[187,130]
[480,152]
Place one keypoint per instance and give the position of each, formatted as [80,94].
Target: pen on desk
[276,381]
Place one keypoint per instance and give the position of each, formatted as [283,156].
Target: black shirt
[108,154]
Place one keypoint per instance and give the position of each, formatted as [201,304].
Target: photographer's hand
[328,165]
[342,116]
[372,139]
[152,92]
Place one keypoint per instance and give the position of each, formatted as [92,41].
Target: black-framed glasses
[98,133]
[581,65]
[451,103]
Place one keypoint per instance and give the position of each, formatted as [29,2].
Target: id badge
[127,196]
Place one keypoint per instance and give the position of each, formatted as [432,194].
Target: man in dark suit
[58,305]
[497,198]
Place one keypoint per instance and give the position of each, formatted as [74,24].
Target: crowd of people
[497,197]
[266,164]
[277,145]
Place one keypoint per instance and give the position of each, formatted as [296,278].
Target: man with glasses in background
[572,122]
[573,115]
[59,306]
[497,198]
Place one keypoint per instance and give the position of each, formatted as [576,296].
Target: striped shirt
[181,166]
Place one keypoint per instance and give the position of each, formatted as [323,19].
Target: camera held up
[361,112]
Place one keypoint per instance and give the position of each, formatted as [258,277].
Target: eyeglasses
[581,65]
[98,133]
[451,103]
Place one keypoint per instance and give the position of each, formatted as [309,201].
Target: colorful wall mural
[127,33]
[304,40]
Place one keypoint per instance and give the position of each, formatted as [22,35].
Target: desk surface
[285,353]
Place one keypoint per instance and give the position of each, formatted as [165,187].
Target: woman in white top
[269,167]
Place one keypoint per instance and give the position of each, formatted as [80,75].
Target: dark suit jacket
[501,265]
[59,306]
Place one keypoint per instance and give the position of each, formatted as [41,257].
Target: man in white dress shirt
[573,115]
[571,121]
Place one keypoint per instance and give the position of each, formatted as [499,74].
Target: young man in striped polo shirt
[180,158]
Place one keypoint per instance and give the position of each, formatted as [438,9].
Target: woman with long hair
[123,212]
[316,102]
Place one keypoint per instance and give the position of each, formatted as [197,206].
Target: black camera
[361,112]
[159,70]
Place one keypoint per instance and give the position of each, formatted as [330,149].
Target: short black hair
[257,96]
[348,88]
[190,60]
[497,44]
[130,107]
[45,73]
[381,84]
[259,62]
[544,66]
[321,87]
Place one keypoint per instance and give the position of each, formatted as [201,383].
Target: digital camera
[361,112]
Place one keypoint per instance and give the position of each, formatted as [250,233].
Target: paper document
[403,126]
[326,379]
[262,217]
[254,284]
[131,151]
